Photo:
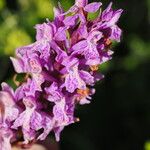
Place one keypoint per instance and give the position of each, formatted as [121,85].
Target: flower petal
[44,31]
[87,77]
[80,47]
[18,65]
[116,33]
[70,20]
[81,3]
[92,7]
[61,34]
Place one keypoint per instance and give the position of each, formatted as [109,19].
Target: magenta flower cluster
[61,68]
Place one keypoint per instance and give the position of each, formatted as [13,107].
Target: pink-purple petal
[92,7]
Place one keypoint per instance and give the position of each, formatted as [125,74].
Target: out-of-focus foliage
[16,38]
[2,4]
[140,52]
[147,145]
[119,116]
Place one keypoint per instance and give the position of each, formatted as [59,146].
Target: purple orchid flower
[8,113]
[88,48]
[54,93]
[92,7]
[62,67]
[25,118]
[5,138]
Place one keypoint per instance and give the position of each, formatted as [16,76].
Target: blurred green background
[119,116]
